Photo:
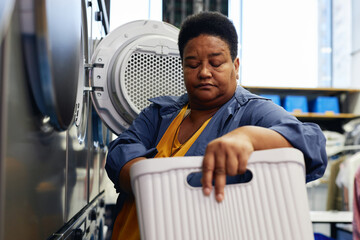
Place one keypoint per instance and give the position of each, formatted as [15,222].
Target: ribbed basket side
[273,205]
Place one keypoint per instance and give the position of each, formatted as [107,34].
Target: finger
[220,182]
[207,172]
[220,175]
[242,162]
[232,163]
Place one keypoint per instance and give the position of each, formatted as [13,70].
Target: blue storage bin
[324,104]
[320,236]
[274,98]
[296,104]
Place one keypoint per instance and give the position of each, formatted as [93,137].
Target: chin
[206,98]
[206,102]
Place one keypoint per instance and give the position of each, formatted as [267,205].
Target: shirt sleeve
[307,137]
[137,141]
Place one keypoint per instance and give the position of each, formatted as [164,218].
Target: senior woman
[216,119]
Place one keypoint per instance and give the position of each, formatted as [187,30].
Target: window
[282,43]
[122,12]
[279,45]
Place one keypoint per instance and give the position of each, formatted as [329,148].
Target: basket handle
[193,179]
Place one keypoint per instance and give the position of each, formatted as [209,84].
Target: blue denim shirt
[244,108]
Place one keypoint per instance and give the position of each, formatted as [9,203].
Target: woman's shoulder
[169,103]
[168,100]
[243,96]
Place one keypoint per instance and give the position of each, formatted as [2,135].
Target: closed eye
[192,64]
[217,64]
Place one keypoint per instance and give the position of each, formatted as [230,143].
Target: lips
[201,85]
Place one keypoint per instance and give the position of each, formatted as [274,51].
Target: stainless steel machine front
[50,149]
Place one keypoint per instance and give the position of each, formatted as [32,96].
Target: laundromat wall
[53,144]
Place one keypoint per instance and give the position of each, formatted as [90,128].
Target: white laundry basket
[273,205]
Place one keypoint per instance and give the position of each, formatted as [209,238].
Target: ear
[236,65]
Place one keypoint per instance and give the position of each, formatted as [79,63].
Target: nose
[205,71]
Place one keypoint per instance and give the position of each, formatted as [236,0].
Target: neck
[191,123]
[201,115]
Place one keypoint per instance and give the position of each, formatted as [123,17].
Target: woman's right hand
[229,154]
[124,176]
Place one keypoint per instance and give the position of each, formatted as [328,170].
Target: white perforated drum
[135,62]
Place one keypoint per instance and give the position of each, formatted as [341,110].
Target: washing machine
[66,86]
[86,148]
[47,143]
[35,114]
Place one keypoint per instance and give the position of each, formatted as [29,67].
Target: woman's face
[209,73]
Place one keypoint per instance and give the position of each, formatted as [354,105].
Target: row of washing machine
[67,86]
[53,143]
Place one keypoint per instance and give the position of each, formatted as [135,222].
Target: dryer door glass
[137,61]
[51,31]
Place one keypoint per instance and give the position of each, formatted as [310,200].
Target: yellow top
[126,224]
[169,145]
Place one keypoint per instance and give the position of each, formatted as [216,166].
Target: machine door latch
[88,66]
[88,89]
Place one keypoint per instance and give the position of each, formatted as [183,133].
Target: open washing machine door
[135,62]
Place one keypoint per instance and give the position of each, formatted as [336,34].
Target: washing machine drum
[135,62]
